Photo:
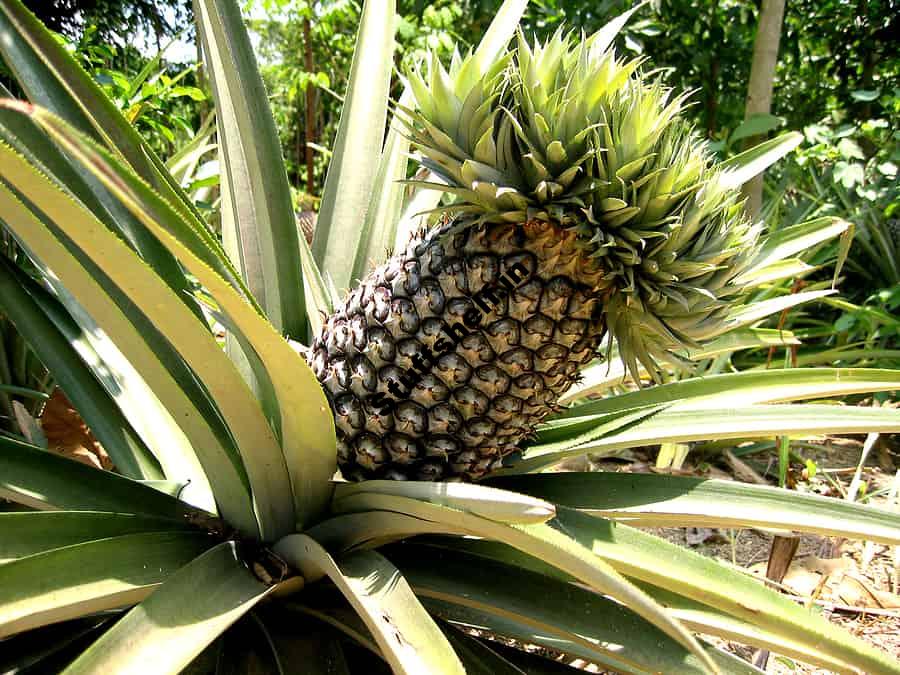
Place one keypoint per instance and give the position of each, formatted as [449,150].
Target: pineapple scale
[418,393]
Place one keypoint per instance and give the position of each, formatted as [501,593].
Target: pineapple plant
[583,207]
[225,536]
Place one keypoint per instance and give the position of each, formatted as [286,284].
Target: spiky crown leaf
[564,131]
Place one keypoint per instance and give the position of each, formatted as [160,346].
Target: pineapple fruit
[582,205]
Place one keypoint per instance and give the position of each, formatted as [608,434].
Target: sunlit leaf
[258,222]
[661,501]
[74,581]
[168,629]
[408,637]
[358,145]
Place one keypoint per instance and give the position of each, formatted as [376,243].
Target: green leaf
[42,480]
[383,213]
[258,222]
[791,268]
[168,487]
[604,37]
[45,648]
[709,621]
[97,408]
[559,437]
[677,425]
[503,26]
[358,145]
[831,356]
[746,388]
[638,555]
[421,203]
[756,125]
[789,241]
[192,340]
[746,338]
[25,136]
[132,394]
[535,609]
[33,532]
[602,376]
[546,541]
[168,629]
[756,311]
[125,188]
[75,581]
[739,169]
[482,501]
[318,297]
[408,637]
[662,501]
[702,580]
[844,244]
[182,164]
[291,396]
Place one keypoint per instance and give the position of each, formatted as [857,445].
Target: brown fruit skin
[449,354]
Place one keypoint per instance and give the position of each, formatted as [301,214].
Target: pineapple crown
[565,131]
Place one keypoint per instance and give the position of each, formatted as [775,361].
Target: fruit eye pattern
[424,357]
[451,402]
[581,206]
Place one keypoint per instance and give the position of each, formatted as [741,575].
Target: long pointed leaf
[260,223]
[75,581]
[500,32]
[33,532]
[478,499]
[685,425]
[638,554]
[383,213]
[358,145]
[545,611]
[408,637]
[792,240]
[223,468]
[39,479]
[744,166]
[747,388]
[25,136]
[138,401]
[757,311]
[291,396]
[52,78]
[103,417]
[548,542]
[659,501]
[768,619]
[168,629]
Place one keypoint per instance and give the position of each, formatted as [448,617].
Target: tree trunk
[712,89]
[310,106]
[762,80]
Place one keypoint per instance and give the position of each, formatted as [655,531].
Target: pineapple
[583,206]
